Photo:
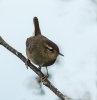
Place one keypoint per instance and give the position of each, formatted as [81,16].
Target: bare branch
[47,83]
[1,40]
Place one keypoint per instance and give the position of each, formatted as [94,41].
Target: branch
[47,83]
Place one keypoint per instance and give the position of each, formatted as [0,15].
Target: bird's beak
[61,54]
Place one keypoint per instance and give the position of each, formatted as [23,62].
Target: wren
[39,49]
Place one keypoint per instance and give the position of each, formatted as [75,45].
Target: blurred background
[72,24]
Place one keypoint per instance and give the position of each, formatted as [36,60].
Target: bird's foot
[27,63]
[39,67]
[44,78]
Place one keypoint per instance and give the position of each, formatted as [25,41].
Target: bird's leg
[27,63]
[45,77]
[47,71]
[39,67]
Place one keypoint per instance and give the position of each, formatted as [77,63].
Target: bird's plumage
[39,49]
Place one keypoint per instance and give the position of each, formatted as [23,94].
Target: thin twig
[47,83]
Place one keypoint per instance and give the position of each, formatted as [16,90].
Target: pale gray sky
[72,24]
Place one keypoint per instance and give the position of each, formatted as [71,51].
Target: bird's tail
[36,26]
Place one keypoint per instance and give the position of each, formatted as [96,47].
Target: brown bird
[40,50]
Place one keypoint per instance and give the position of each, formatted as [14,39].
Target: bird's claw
[44,78]
[27,63]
